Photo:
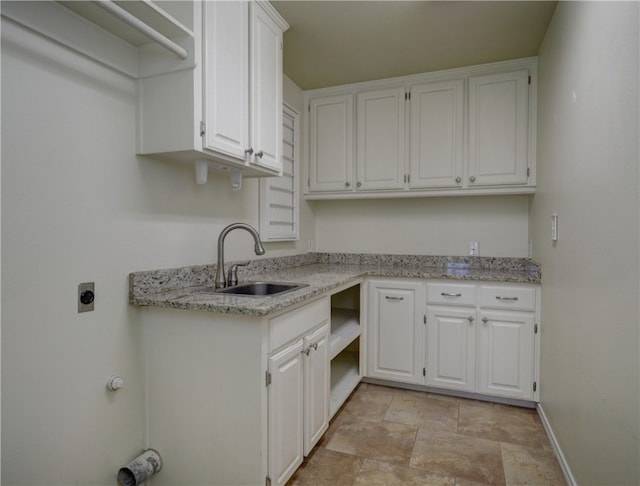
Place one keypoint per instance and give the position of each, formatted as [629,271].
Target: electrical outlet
[86,296]
[474,248]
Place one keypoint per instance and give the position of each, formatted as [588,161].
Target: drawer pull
[450,294]
[485,320]
[507,299]
[395,299]
[470,319]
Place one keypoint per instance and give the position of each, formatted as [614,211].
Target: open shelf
[345,327]
[345,376]
[344,351]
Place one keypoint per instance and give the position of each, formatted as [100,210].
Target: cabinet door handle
[395,299]
[458,179]
[358,184]
[472,178]
[347,184]
[450,294]
[249,151]
[306,350]
[485,320]
[507,299]
[470,319]
[259,154]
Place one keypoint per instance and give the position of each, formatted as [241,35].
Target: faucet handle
[232,277]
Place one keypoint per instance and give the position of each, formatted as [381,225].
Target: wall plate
[86,296]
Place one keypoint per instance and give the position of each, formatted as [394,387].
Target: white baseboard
[566,470]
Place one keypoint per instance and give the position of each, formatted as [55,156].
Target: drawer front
[297,322]
[451,294]
[507,297]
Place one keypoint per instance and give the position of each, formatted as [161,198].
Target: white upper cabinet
[498,114]
[266,88]
[380,139]
[330,141]
[461,131]
[227,110]
[226,78]
[437,111]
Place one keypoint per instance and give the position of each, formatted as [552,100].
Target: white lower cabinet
[506,343]
[395,331]
[472,338]
[286,409]
[474,345]
[451,348]
[298,384]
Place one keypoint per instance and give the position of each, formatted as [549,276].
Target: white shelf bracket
[202,170]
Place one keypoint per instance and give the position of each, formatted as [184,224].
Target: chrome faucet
[221,280]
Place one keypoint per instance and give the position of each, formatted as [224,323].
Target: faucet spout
[221,279]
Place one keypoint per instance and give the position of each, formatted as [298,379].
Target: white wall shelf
[345,328]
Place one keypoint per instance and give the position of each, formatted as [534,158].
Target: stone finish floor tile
[389,436]
[327,468]
[376,439]
[419,410]
[458,455]
[523,465]
[504,423]
[376,473]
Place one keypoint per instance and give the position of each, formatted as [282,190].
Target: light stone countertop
[182,288]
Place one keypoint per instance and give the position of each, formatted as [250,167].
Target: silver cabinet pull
[450,294]
[395,299]
[358,184]
[470,319]
[458,179]
[249,151]
[306,350]
[507,299]
[472,178]
[315,346]
[259,154]
[347,184]
[485,320]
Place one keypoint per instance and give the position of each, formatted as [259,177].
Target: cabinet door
[437,111]
[316,386]
[498,128]
[380,159]
[506,354]
[266,89]
[451,348]
[331,143]
[395,331]
[286,413]
[226,77]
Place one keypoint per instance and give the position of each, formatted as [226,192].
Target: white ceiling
[338,42]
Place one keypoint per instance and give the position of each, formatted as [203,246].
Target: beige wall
[425,226]
[79,206]
[588,159]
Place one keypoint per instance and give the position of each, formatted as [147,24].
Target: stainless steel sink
[257,289]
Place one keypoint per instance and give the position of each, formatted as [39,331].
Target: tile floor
[387,436]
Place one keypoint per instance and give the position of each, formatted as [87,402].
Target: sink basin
[259,289]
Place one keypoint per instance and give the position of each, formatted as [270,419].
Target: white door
[266,90]
[451,348]
[286,395]
[331,143]
[317,386]
[380,159]
[506,354]
[437,111]
[498,128]
[226,77]
[396,331]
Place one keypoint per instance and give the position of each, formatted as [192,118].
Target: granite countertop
[182,288]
